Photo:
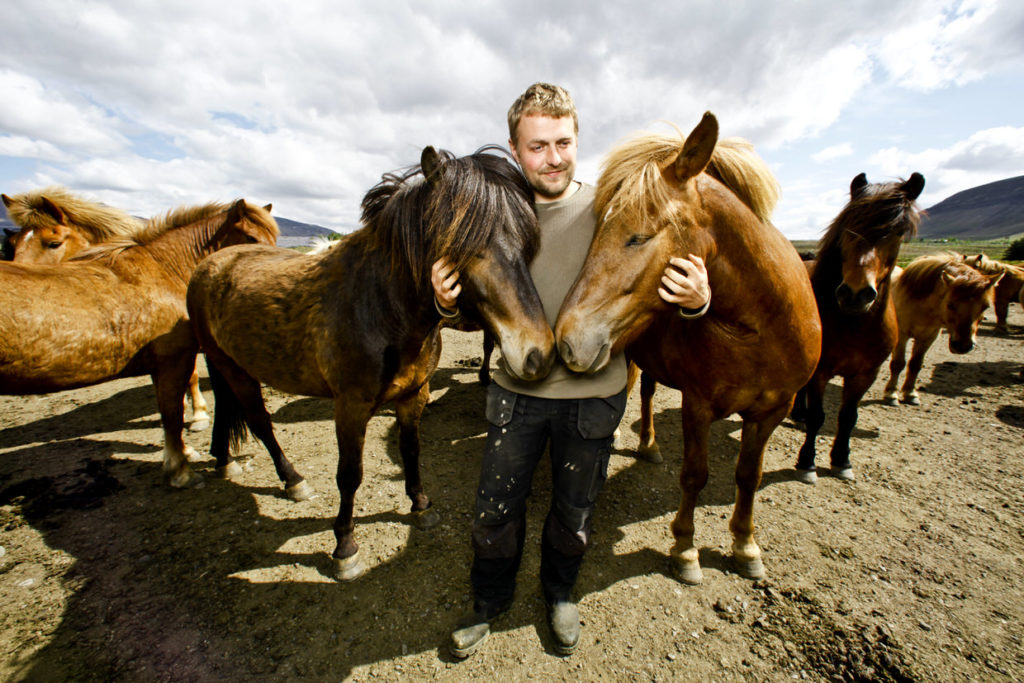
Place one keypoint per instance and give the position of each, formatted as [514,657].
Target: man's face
[545,148]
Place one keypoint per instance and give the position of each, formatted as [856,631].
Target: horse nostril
[867,296]
[843,293]
[565,351]
[534,363]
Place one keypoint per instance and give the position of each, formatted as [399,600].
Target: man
[574,415]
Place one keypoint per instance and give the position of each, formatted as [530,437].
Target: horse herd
[91,294]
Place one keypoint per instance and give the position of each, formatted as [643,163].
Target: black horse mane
[472,201]
[876,212]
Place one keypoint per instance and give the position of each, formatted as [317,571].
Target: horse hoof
[912,400]
[806,476]
[230,471]
[650,453]
[186,479]
[191,454]
[199,424]
[687,572]
[750,569]
[299,492]
[425,519]
[891,401]
[844,473]
[349,568]
[617,440]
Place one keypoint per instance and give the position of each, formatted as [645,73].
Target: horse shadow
[954,379]
[133,408]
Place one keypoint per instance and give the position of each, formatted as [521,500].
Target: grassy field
[994,249]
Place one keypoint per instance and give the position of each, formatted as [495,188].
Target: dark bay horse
[56,224]
[851,281]
[753,350]
[118,310]
[357,323]
[935,292]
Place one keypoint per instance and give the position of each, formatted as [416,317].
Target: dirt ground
[913,572]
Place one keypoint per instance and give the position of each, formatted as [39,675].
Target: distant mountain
[983,212]
[290,228]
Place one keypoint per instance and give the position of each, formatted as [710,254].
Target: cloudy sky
[151,104]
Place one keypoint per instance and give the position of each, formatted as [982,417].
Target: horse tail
[228,411]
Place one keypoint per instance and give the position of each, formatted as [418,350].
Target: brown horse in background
[1009,289]
[935,292]
[758,343]
[358,324]
[851,281]
[57,224]
[118,310]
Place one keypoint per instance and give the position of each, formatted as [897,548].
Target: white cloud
[839,151]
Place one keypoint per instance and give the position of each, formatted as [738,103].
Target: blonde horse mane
[631,174]
[99,221]
[922,275]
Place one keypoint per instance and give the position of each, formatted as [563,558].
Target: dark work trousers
[579,435]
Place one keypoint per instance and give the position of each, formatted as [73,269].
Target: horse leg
[350,426]
[485,365]
[632,372]
[854,388]
[692,479]
[408,411]
[896,365]
[745,551]
[799,411]
[814,393]
[1002,309]
[170,380]
[909,388]
[245,397]
[648,448]
[200,411]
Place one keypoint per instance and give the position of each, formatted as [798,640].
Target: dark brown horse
[119,311]
[935,292]
[358,324]
[851,281]
[756,346]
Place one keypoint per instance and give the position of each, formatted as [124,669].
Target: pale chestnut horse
[1009,289]
[118,310]
[935,292]
[751,352]
[357,322]
[56,224]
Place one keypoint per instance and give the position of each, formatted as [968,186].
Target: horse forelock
[99,221]
[632,180]
[475,199]
[880,211]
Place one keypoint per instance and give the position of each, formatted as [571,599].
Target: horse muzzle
[855,303]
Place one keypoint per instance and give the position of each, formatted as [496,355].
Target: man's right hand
[445,280]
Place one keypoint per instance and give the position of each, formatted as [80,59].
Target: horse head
[480,217]
[968,294]
[866,237]
[246,224]
[46,238]
[649,209]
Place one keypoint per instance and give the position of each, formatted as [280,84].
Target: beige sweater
[566,229]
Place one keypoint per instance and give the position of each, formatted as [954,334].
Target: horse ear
[698,148]
[9,232]
[430,162]
[7,200]
[912,188]
[857,185]
[268,207]
[49,207]
[237,211]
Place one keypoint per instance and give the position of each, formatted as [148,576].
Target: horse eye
[53,245]
[637,240]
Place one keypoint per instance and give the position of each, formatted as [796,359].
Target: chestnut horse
[358,323]
[1008,290]
[56,224]
[758,343]
[851,281]
[118,310]
[935,292]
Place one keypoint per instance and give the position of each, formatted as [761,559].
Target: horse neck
[179,250]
